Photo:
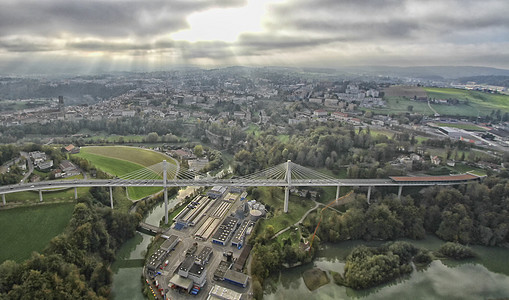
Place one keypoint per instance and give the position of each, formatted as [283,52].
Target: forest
[76,263]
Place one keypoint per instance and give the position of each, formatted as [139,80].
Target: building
[236,278]
[216,192]
[204,256]
[156,260]
[239,237]
[320,113]
[45,164]
[222,293]
[170,243]
[225,231]
[223,266]
[241,261]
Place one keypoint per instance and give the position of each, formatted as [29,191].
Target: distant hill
[433,72]
[498,80]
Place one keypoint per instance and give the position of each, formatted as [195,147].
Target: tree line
[76,263]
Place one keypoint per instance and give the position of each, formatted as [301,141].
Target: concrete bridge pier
[287,196]
[165,205]
[369,194]
[337,193]
[165,192]
[40,195]
[111,197]
[400,189]
[75,193]
[3,198]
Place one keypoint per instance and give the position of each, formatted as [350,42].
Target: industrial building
[193,213]
[216,192]
[189,269]
[206,229]
[170,243]
[236,278]
[157,259]
[221,269]
[204,256]
[241,261]
[224,233]
[221,293]
[240,235]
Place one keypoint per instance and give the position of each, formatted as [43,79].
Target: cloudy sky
[157,34]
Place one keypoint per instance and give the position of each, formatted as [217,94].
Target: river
[485,277]
[128,266]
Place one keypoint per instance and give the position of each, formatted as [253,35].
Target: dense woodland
[76,263]
[469,214]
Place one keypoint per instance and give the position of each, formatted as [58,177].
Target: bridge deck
[393,181]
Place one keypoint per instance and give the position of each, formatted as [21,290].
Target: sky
[137,35]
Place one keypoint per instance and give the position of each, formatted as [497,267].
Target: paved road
[30,166]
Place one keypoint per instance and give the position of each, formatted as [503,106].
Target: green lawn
[120,160]
[113,166]
[27,229]
[296,208]
[471,127]
[484,102]
[135,155]
[253,128]
[48,196]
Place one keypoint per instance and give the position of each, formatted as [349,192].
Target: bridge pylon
[288,178]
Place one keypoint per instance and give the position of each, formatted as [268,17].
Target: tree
[152,137]
[198,150]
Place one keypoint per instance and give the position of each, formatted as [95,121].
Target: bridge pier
[400,189]
[165,192]
[75,193]
[287,196]
[288,178]
[165,205]
[40,195]
[369,194]
[111,197]
[337,193]
[3,198]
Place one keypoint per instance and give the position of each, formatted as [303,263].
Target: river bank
[128,266]
[486,276]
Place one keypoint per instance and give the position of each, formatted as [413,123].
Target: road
[30,166]
[298,222]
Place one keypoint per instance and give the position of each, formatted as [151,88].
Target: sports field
[27,229]
[120,160]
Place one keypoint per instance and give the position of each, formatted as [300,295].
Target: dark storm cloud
[407,31]
[23,45]
[100,18]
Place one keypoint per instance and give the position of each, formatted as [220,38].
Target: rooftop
[461,177]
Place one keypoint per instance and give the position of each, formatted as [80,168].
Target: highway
[44,185]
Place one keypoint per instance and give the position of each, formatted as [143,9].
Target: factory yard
[205,252]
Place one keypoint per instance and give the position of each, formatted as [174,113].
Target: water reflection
[485,277]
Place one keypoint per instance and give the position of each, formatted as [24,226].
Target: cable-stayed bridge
[286,175]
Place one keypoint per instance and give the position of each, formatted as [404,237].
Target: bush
[456,251]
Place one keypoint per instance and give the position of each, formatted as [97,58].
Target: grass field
[472,103]
[471,127]
[296,208]
[31,228]
[253,129]
[132,154]
[48,196]
[120,160]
